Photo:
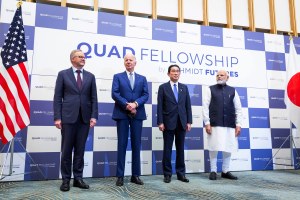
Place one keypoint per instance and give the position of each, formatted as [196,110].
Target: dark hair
[169,69]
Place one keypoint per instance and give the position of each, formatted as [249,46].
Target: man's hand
[57,123]
[92,122]
[188,127]
[161,127]
[131,106]
[237,131]
[128,107]
[133,111]
[208,129]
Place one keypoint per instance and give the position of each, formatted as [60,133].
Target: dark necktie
[175,92]
[79,81]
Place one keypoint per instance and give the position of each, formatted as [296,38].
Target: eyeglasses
[81,57]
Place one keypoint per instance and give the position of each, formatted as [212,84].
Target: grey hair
[72,54]
[130,54]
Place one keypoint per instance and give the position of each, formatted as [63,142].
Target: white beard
[221,82]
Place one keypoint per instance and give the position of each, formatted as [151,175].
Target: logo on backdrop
[195,60]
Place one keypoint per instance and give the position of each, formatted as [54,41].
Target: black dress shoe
[229,176]
[167,179]
[213,176]
[80,184]
[183,179]
[65,186]
[120,181]
[136,180]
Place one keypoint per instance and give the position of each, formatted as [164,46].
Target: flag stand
[11,151]
[11,148]
[292,146]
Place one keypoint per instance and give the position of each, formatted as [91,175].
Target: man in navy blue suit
[75,112]
[130,93]
[174,118]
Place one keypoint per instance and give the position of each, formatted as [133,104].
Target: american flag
[14,87]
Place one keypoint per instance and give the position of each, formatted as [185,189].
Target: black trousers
[168,136]
[74,137]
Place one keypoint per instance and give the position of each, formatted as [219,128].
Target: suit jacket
[122,93]
[168,110]
[68,98]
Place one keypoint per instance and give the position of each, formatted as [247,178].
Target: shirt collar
[172,83]
[75,69]
[128,73]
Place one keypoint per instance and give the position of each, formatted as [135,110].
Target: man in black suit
[75,112]
[174,118]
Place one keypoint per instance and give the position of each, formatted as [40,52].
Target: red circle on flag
[293,89]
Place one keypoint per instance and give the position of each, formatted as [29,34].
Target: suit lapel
[72,77]
[125,77]
[136,79]
[170,91]
[85,78]
[180,91]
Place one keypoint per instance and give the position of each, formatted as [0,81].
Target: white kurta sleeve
[238,109]
[205,103]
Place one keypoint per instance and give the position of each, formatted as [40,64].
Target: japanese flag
[292,90]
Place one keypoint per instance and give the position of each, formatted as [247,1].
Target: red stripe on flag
[12,102]
[20,90]
[25,73]
[7,120]
[4,140]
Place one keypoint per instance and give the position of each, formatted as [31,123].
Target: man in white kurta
[222,115]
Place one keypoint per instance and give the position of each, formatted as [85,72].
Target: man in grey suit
[174,118]
[75,112]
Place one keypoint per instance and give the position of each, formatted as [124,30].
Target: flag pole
[291,124]
[12,142]
[291,144]
[19,3]
[11,161]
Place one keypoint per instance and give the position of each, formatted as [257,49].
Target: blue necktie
[175,92]
[131,80]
